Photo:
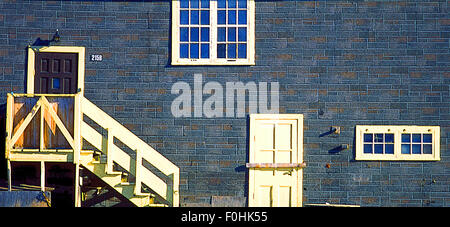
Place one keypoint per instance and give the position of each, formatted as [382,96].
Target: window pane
[416,149]
[242,34]
[205,3]
[416,138]
[231,3]
[221,17]
[194,51]
[242,51]
[389,148]
[221,50]
[378,148]
[55,83]
[194,3]
[184,3]
[184,17]
[194,34]
[406,138]
[389,138]
[427,138]
[406,149]
[184,34]
[205,16]
[427,149]
[205,34]
[242,3]
[222,3]
[367,148]
[378,137]
[194,17]
[184,50]
[242,17]
[205,51]
[232,34]
[221,34]
[231,50]
[231,16]
[368,137]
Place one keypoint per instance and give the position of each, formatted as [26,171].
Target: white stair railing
[142,149]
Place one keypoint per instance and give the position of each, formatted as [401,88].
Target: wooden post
[138,184]
[77,118]
[77,186]
[41,130]
[9,175]
[43,176]
[109,151]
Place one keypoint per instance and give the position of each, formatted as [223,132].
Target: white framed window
[213,32]
[397,142]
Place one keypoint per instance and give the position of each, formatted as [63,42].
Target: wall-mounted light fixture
[344,146]
[335,130]
[56,37]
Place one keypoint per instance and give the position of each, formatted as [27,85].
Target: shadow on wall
[3,177]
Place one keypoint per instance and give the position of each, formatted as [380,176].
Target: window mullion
[213,31]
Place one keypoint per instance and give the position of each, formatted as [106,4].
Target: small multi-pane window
[382,142]
[213,32]
[378,143]
[417,143]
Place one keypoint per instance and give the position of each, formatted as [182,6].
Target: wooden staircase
[31,138]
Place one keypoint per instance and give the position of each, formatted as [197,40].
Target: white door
[276,157]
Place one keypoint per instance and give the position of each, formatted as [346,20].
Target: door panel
[56,73]
[275,139]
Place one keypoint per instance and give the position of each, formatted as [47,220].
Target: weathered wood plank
[21,128]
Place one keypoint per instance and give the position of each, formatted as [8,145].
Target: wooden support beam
[77,119]
[109,151]
[138,184]
[9,124]
[77,186]
[21,128]
[58,122]
[43,176]
[9,175]
[41,132]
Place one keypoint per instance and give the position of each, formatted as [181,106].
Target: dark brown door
[56,73]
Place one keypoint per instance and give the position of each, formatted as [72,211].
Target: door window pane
[55,83]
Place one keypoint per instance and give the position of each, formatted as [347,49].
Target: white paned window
[213,32]
[388,142]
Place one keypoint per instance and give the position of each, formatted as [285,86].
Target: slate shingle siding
[339,63]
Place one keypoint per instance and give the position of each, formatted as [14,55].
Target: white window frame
[397,130]
[213,60]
